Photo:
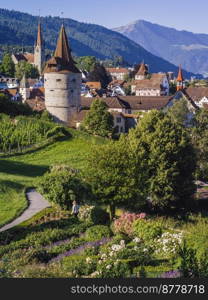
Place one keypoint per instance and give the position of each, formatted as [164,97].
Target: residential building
[156,85]
[118,73]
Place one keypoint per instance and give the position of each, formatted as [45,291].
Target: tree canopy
[111,171]
[98,120]
[99,73]
[7,67]
[165,148]
[26,68]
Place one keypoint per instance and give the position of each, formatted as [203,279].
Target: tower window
[58,80]
[51,90]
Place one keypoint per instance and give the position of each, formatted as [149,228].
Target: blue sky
[189,15]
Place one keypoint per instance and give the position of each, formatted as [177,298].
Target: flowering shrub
[112,269]
[79,265]
[136,251]
[171,274]
[85,212]
[125,223]
[168,244]
[93,214]
[147,229]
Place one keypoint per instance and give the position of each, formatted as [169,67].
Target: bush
[197,237]
[79,265]
[62,187]
[125,223]
[114,269]
[93,214]
[98,232]
[146,229]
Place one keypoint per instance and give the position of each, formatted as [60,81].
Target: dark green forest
[19,30]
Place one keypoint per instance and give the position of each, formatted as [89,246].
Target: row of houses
[127,110]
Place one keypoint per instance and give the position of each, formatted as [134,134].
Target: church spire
[180,79]
[39,41]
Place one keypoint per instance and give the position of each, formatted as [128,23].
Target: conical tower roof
[62,60]
[180,75]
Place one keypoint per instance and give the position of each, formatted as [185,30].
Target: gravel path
[36,204]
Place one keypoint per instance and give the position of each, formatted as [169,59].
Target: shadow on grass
[34,149]
[21,168]
[19,233]
[7,184]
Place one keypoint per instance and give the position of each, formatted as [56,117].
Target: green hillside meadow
[20,171]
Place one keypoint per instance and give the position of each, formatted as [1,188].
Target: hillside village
[103,169]
[147,90]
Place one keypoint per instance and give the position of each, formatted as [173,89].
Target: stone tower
[24,89]
[39,50]
[180,80]
[62,82]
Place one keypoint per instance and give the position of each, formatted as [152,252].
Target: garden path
[36,204]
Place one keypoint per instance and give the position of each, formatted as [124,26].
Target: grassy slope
[20,171]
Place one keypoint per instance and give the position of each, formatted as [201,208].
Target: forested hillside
[20,29]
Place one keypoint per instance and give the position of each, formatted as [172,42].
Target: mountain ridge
[177,46]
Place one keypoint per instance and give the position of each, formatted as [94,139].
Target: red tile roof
[196,93]
[111,102]
[146,103]
[117,70]
[94,85]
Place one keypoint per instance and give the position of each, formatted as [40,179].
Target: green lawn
[20,171]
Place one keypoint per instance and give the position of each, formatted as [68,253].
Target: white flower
[116,247]
[103,256]
[122,243]
[108,267]
[137,240]
[88,260]
[96,273]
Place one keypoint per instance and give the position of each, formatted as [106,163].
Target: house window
[121,129]
[118,120]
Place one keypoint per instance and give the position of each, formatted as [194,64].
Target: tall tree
[200,141]
[180,113]
[86,63]
[99,73]
[111,171]
[165,148]
[7,67]
[98,120]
